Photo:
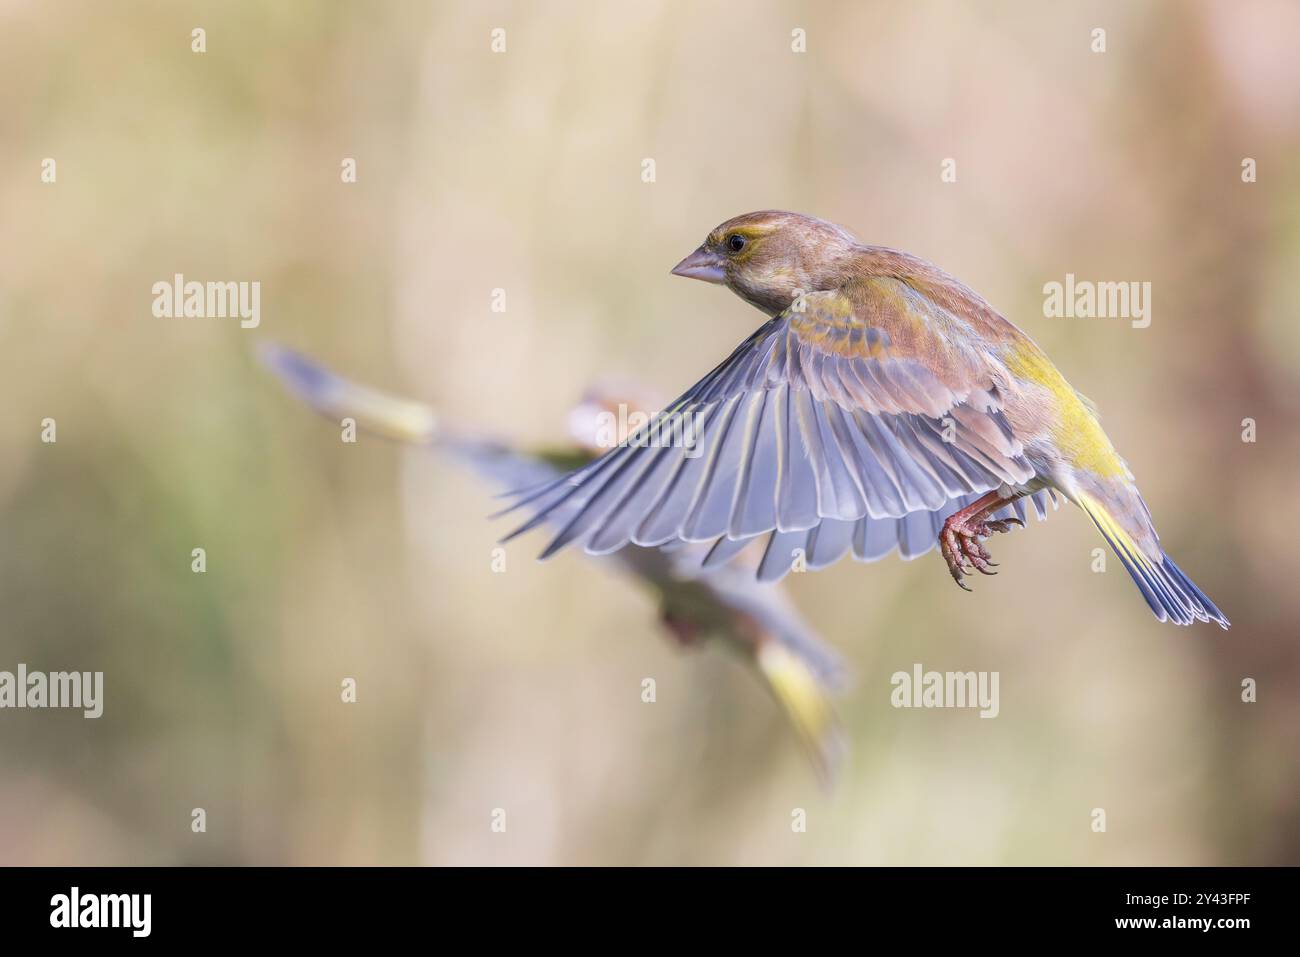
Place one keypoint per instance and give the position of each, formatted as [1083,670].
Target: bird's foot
[685,632]
[960,543]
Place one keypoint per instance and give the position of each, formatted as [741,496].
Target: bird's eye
[735,242]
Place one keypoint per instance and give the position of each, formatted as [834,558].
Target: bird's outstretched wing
[332,395]
[850,408]
[761,623]
[404,420]
[869,539]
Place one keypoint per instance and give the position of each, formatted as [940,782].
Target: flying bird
[695,604]
[882,406]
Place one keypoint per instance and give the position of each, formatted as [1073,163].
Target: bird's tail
[806,700]
[334,396]
[1171,594]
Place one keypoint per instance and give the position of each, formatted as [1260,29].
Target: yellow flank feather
[1077,433]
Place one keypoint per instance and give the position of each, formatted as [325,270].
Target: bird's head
[608,412]
[770,258]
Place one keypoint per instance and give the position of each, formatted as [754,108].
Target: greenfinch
[882,406]
[695,604]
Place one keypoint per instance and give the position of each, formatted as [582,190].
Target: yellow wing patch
[831,322]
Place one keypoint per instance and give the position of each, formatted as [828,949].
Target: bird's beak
[702,264]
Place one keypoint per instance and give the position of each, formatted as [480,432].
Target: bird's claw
[960,544]
[1004,524]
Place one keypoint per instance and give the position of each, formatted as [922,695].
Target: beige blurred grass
[521,171]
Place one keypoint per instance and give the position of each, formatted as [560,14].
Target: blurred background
[522,171]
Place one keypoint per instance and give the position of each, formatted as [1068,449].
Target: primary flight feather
[882,406]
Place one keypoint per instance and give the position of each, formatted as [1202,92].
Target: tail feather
[807,703]
[1171,595]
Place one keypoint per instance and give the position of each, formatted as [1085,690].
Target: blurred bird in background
[882,406]
[696,604]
